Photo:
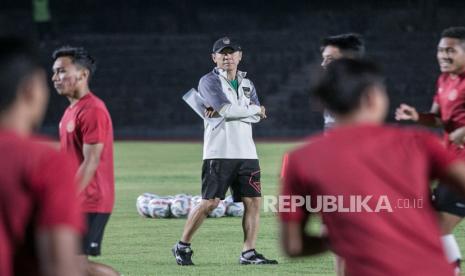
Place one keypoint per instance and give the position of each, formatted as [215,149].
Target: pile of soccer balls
[178,206]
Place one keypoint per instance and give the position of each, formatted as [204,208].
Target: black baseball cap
[226,42]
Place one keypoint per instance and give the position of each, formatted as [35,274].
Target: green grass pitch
[140,246]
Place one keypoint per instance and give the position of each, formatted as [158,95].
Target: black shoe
[183,255]
[256,258]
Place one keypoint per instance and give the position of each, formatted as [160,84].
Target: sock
[248,254]
[451,248]
[182,245]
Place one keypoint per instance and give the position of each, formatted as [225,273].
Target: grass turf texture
[140,246]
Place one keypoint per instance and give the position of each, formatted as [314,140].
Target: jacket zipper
[238,85]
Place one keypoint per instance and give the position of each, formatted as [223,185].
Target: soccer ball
[182,195]
[195,200]
[167,197]
[219,211]
[180,206]
[228,200]
[159,208]
[235,209]
[142,204]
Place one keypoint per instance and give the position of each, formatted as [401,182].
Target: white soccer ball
[142,203]
[180,206]
[182,195]
[159,208]
[167,197]
[195,201]
[228,200]
[235,209]
[219,211]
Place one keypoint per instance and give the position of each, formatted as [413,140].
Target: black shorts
[448,201]
[241,175]
[92,240]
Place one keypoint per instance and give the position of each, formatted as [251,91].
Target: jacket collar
[240,74]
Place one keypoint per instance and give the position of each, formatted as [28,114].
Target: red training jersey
[450,96]
[375,162]
[88,122]
[37,192]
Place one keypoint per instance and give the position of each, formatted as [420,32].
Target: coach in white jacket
[229,155]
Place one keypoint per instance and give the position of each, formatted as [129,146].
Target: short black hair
[454,32]
[19,59]
[345,81]
[351,43]
[79,56]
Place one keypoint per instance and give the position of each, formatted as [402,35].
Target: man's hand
[262,113]
[210,112]
[407,113]
[458,136]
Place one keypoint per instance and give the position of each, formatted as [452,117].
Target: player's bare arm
[92,153]
[297,243]
[409,113]
[57,250]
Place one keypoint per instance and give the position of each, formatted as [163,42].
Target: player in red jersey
[447,112]
[86,133]
[377,168]
[40,220]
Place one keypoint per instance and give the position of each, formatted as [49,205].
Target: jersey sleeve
[292,186]
[440,158]
[253,95]
[56,193]
[94,125]
[211,90]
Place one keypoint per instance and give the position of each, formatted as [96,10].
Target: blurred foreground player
[447,112]
[40,220]
[349,45]
[86,133]
[229,156]
[377,167]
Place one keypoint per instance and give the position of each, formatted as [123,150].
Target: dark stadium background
[151,52]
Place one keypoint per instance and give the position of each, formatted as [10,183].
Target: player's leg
[250,221]
[215,176]
[448,222]
[92,243]
[182,250]
[96,269]
[339,263]
[247,188]
[451,209]
[196,218]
